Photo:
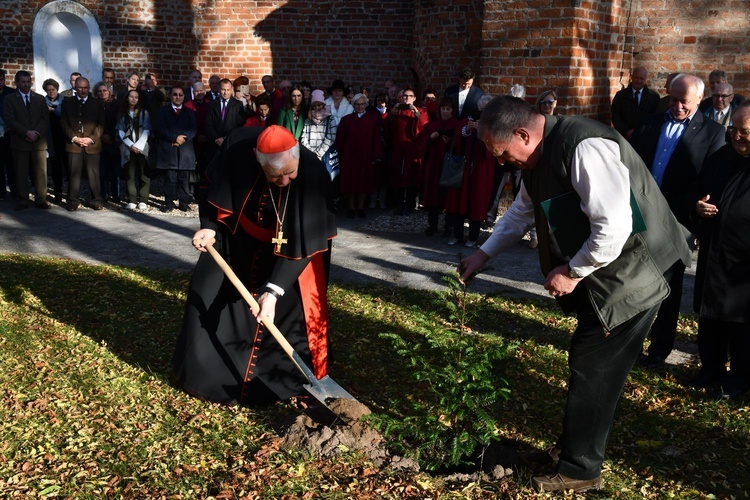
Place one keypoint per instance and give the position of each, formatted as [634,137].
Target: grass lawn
[88,409]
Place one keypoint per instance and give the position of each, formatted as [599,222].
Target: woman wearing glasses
[547,102]
[405,123]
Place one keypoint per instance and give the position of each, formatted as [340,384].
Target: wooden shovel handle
[288,349]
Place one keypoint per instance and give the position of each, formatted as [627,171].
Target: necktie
[719,116]
[27,100]
[223,109]
[638,96]
[177,111]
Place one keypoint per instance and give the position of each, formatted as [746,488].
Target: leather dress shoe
[168,208]
[73,206]
[96,205]
[184,207]
[44,205]
[558,482]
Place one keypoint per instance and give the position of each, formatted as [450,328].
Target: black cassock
[222,353]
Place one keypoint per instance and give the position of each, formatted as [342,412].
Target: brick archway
[66,38]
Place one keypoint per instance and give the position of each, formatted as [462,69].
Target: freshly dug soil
[348,433]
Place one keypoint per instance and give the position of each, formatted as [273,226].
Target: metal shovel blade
[322,390]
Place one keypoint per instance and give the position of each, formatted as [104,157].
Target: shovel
[323,389]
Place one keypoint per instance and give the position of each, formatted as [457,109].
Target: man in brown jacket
[82,121]
[27,118]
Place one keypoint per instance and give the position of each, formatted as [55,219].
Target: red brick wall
[585,49]
[579,47]
[694,37]
[447,37]
[358,42]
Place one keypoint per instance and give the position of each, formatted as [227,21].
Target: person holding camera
[406,122]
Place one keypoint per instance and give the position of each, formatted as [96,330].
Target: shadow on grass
[136,313]
[663,435]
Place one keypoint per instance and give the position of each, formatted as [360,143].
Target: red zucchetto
[275,139]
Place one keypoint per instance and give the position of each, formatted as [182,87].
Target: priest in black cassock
[269,210]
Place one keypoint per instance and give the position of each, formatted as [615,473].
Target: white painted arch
[66,38]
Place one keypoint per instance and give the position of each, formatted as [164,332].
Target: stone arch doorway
[66,39]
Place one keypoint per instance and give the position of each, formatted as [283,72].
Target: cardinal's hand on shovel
[267,303]
[471,265]
[203,238]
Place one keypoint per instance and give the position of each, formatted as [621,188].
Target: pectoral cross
[279,240]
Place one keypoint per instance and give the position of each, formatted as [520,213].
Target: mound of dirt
[347,433]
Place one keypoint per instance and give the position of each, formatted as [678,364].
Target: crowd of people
[614,211]
[121,134]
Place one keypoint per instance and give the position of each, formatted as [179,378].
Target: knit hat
[275,139]
[317,96]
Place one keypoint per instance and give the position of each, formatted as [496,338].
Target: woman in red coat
[406,122]
[360,153]
[434,142]
[472,199]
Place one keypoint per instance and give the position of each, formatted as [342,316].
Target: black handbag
[452,174]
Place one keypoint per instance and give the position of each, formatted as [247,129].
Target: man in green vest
[606,240]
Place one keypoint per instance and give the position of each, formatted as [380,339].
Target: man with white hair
[268,212]
[632,102]
[721,111]
[675,146]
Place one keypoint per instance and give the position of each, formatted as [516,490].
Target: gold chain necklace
[279,239]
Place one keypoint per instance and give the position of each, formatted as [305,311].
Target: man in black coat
[720,203]
[224,115]
[632,102]
[465,95]
[675,147]
[26,120]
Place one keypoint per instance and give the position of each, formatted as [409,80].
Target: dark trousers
[76,162]
[599,366]
[32,163]
[177,186]
[137,179]
[665,327]
[110,171]
[6,167]
[55,168]
[456,222]
[718,338]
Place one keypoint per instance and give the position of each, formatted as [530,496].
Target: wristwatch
[572,274]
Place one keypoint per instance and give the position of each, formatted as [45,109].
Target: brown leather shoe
[73,206]
[96,206]
[558,482]
[44,205]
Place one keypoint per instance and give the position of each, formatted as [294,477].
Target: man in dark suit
[108,77]
[675,146]
[632,102]
[465,95]
[82,120]
[72,90]
[6,161]
[716,77]
[224,115]
[27,118]
[195,77]
[176,129]
[722,110]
